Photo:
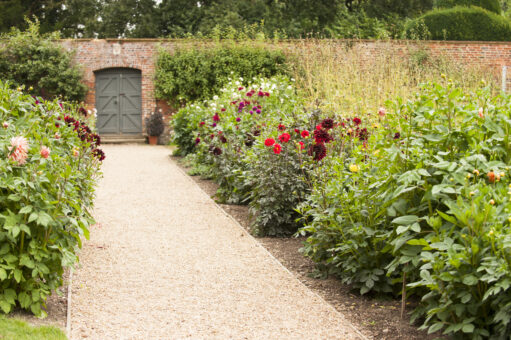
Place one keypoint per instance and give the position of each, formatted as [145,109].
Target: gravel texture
[165,262]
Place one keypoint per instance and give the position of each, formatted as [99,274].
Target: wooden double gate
[119,101]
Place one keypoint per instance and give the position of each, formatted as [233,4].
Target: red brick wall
[96,55]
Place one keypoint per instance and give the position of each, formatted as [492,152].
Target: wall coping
[393,41]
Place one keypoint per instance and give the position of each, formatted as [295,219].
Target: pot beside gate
[153,140]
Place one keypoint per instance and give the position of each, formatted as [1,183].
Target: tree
[34,60]
[128,19]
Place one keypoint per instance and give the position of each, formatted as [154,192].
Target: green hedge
[42,66]
[463,23]
[491,5]
[198,74]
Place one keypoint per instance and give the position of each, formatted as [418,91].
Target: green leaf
[24,299]
[416,227]
[405,220]
[44,219]
[27,262]
[470,280]
[446,217]
[4,249]
[6,307]
[3,274]
[435,328]
[420,242]
[401,229]
[25,209]
[17,275]
[33,216]
[14,197]
[468,328]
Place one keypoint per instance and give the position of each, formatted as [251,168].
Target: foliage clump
[155,124]
[49,163]
[197,74]
[463,23]
[37,62]
[490,5]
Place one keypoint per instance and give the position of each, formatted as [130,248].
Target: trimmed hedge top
[490,5]
[463,23]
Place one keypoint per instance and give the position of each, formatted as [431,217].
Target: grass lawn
[12,329]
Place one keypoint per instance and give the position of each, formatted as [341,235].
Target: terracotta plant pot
[153,140]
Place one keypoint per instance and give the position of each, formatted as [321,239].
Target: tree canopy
[180,18]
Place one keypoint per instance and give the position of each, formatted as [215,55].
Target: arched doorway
[119,101]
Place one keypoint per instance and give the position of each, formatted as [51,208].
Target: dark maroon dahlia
[397,135]
[322,136]
[327,123]
[217,151]
[363,134]
[317,151]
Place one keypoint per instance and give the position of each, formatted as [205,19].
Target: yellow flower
[492,202]
[502,174]
[376,152]
[469,175]
[472,193]
[476,172]
[509,219]
[354,168]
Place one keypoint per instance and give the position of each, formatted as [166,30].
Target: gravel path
[165,262]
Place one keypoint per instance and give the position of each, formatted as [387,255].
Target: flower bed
[413,199]
[49,164]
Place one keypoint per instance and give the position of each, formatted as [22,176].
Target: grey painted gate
[119,101]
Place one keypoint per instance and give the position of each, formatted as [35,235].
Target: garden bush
[490,5]
[44,68]
[423,203]
[412,199]
[230,137]
[192,74]
[49,163]
[463,23]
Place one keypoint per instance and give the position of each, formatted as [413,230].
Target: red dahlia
[284,138]
[269,142]
[277,148]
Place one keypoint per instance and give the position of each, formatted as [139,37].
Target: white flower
[215,97]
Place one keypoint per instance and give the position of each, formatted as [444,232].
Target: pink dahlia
[45,152]
[19,149]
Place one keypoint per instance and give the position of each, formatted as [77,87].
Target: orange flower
[491,176]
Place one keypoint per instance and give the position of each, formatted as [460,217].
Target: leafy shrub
[490,5]
[49,162]
[198,74]
[155,124]
[423,203]
[463,23]
[228,134]
[44,68]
